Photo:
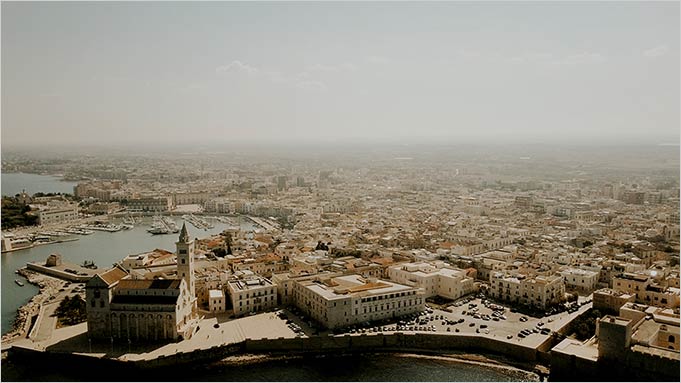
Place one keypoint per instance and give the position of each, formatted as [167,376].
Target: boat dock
[265,224]
[199,223]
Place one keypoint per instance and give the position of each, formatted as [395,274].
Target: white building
[539,292]
[216,301]
[58,215]
[252,294]
[346,300]
[583,281]
[435,278]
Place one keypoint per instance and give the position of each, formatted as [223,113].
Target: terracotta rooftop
[112,276]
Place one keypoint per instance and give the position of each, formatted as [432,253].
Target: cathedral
[122,308]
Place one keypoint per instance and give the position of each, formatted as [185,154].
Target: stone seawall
[59,273]
[391,343]
[397,342]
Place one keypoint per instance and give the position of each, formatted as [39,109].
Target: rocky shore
[49,289]
[526,373]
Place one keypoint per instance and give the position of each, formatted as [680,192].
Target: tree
[582,331]
[219,252]
[71,311]
[228,241]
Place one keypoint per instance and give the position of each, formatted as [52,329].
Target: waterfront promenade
[219,337]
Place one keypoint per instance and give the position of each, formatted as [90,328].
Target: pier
[55,267]
[265,224]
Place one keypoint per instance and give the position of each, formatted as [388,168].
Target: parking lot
[469,315]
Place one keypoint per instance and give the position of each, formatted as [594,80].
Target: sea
[15,183]
[101,247]
[106,248]
[367,367]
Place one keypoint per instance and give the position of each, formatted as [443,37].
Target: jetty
[265,224]
[197,222]
[55,267]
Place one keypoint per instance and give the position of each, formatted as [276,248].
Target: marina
[197,222]
[101,247]
[163,225]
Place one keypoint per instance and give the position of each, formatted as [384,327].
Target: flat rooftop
[250,284]
[353,285]
[574,347]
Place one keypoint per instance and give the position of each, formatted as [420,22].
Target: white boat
[170,224]
[158,230]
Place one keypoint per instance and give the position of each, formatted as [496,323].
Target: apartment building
[646,291]
[252,294]
[435,278]
[582,281]
[149,204]
[608,300]
[190,198]
[56,215]
[216,301]
[540,291]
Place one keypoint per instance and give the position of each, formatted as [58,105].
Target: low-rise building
[151,204]
[540,291]
[435,278]
[252,294]
[608,300]
[350,299]
[582,281]
[57,215]
[216,301]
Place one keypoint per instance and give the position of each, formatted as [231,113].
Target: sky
[168,72]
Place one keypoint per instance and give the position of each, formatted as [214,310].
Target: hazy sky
[165,72]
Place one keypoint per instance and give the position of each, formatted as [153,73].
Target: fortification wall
[391,342]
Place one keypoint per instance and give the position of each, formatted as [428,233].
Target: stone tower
[185,260]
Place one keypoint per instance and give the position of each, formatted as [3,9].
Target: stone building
[143,310]
[539,292]
[350,299]
[252,294]
[435,278]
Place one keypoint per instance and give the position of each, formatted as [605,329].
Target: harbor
[102,247]
[198,222]
[163,225]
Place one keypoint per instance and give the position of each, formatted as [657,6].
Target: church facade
[134,310]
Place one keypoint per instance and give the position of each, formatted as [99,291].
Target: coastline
[49,288]
[481,360]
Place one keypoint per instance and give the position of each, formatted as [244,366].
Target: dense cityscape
[559,261]
[334,191]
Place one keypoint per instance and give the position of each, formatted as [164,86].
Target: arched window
[672,339]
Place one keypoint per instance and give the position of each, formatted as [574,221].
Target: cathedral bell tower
[185,260]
